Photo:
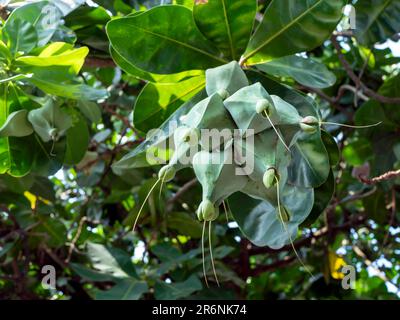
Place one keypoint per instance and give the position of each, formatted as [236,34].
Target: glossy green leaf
[126,289]
[70,90]
[310,164]
[259,220]
[16,78]
[87,16]
[89,274]
[322,197]
[331,147]
[305,71]
[54,229]
[5,53]
[304,26]
[51,56]
[111,261]
[90,110]
[184,224]
[44,16]
[174,291]
[20,35]
[17,125]
[166,41]
[377,20]
[227,23]
[152,77]
[158,101]
[77,140]
[16,154]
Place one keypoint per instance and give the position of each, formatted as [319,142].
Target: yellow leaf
[32,199]
[336,263]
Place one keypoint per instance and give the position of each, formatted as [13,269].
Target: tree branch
[386,176]
[359,84]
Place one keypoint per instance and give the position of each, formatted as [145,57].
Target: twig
[369,264]
[92,62]
[186,187]
[74,241]
[359,84]
[386,176]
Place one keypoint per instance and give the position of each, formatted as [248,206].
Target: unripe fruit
[207,211]
[309,124]
[263,105]
[53,133]
[223,93]
[269,178]
[167,173]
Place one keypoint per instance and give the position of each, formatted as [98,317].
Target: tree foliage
[82,87]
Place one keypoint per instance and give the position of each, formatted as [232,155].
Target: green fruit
[53,133]
[224,94]
[207,211]
[269,178]
[263,105]
[167,173]
[309,124]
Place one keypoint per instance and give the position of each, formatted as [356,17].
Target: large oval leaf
[44,17]
[305,71]
[292,26]
[227,23]
[20,36]
[158,101]
[16,154]
[260,222]
[163,40]
[377,20]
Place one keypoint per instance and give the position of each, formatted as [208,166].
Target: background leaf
[305,26]
[305,71]
[227,23]
[166,46]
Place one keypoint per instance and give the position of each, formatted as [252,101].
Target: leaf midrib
[228,29]
[376,16]
[180,43]
[252,53]
[308,72]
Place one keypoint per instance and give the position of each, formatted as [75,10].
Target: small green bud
[269,178]
[223,93]
[167,173]
[283,215]
[53,133]
[263,105]
[309,124]
[207,211]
